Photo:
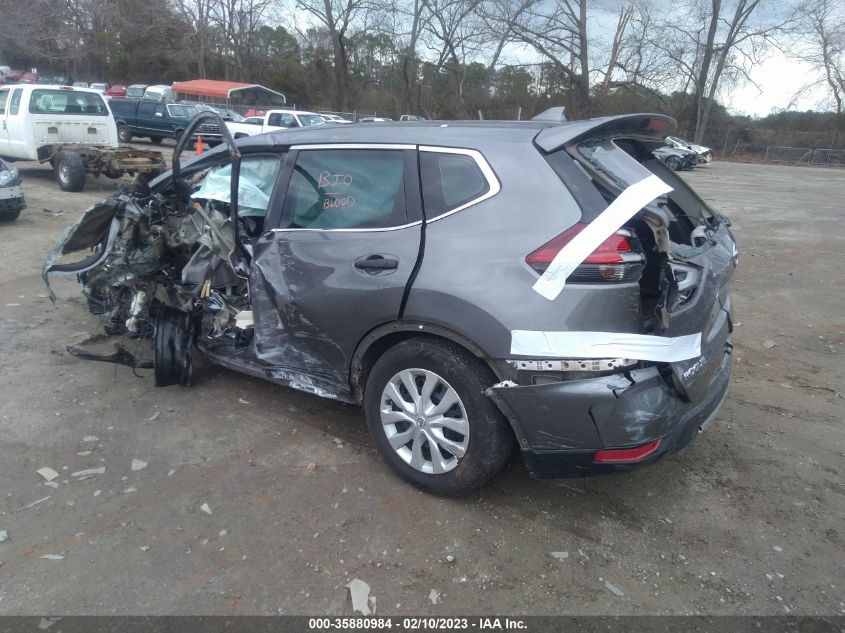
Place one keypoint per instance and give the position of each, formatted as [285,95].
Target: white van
[159,93]
[71,128]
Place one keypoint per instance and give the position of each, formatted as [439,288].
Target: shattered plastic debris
[359,592]
[769,344]
[52,557]
[206,508]
[560,555]
[35,503]
[312,466]
[616,591]
[90,438]
[138,464]
[79,475]
[48,473]
[46,623]
[434,596]
[4,536]
[154,416]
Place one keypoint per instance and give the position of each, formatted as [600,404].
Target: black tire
[490,439]
[172,346]
[156,140]
[674,163]
[69,171]
[10,216]
[123,133]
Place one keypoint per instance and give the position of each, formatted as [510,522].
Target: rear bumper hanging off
[561,426]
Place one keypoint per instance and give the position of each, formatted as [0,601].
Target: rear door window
[346,188]
[4,94]
[450,181]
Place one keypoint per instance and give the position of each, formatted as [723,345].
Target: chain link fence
[805,155]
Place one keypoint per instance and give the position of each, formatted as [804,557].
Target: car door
[146,119]
[337,265]
[13,124]
[5,142]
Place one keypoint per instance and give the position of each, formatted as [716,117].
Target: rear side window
[281,120]
[147,108]
[15,103]
[347,189]
[450,181]
[67,102]
[4,94]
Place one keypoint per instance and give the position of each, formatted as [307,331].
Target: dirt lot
[748,519]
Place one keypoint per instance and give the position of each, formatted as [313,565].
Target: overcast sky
[779,79]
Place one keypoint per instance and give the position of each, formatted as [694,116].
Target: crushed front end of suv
[551,286]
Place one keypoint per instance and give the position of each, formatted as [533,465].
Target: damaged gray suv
[474,286]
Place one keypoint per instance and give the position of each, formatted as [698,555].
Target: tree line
[444,58]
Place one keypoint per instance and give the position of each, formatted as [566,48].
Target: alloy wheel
[424,420]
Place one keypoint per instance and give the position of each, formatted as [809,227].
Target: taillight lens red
[606,263]
[609,252]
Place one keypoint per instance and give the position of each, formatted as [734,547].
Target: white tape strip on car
[661,349]
[627,204]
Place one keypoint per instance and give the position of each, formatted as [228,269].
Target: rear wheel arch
[382,338]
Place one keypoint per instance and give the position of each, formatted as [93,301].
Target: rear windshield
[135,92]
[45,101]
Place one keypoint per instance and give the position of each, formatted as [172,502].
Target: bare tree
[338,17]
[711,39]
[821,43]
[555,29]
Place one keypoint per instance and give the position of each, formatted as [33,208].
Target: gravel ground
[222,513]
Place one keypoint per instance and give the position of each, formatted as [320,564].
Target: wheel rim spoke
[392,392]
[394,417]
[450,398]
[438,464]
[452,447]
[417,457]
[408,379]
[400,439]
[458,425]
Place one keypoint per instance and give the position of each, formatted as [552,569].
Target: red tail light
[618,258]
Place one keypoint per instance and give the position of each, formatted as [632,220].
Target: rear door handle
[375,263]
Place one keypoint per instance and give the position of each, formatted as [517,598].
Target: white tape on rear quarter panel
[661,349]
[627,204]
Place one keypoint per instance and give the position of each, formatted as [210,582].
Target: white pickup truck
[273,121]
[72,129]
